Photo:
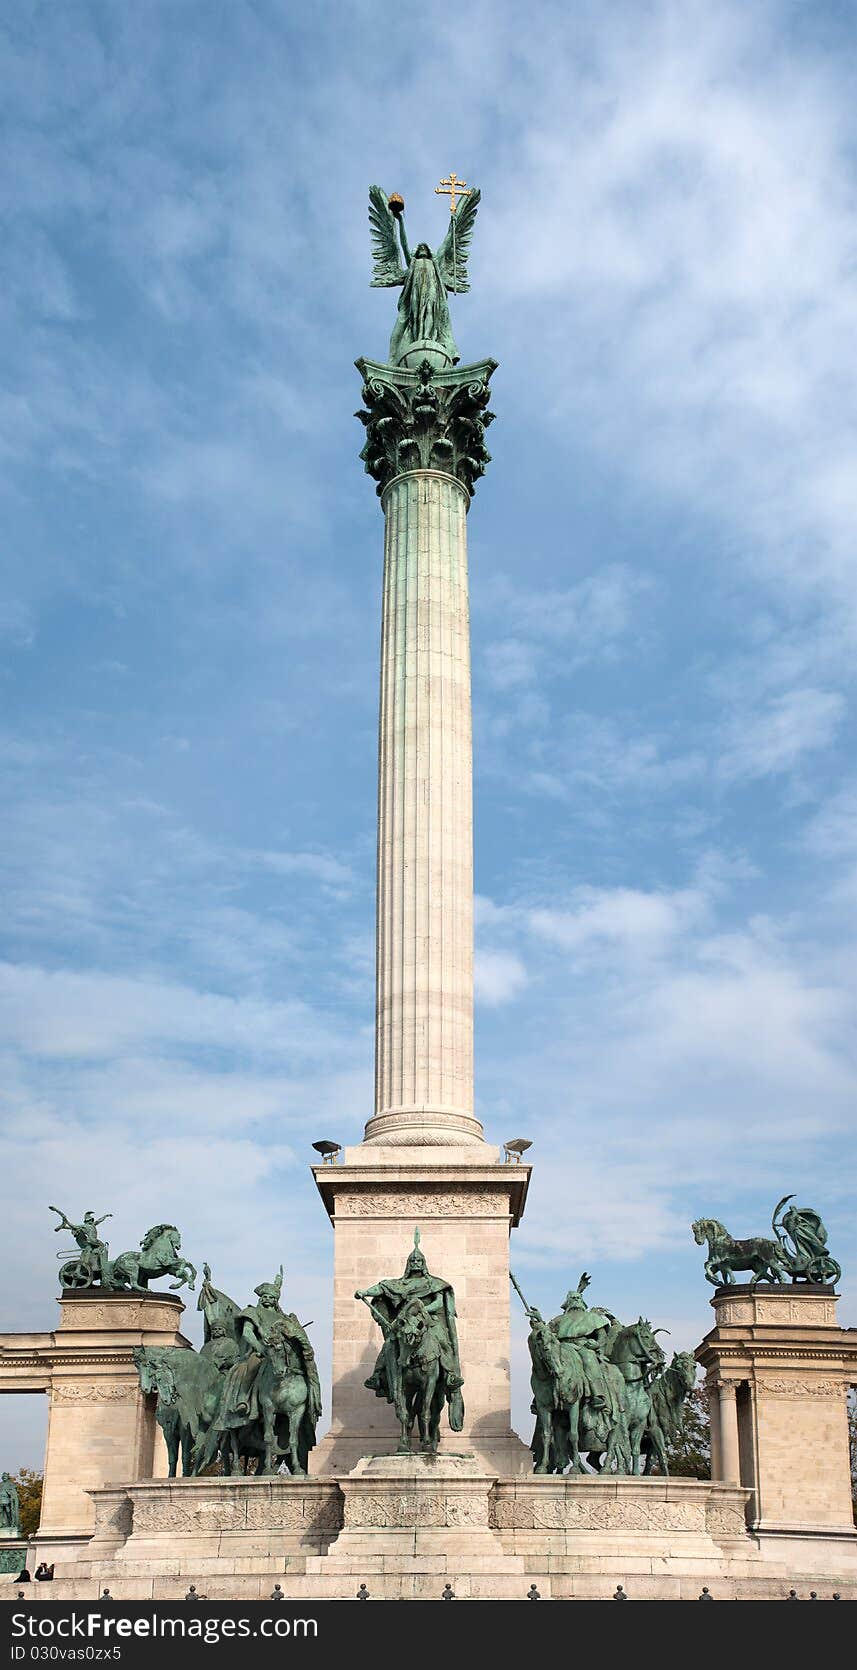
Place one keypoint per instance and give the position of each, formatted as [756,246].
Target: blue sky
[664,615]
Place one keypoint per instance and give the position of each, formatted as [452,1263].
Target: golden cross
[452,187]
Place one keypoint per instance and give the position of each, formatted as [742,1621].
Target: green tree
[689,1454]
[29,1485]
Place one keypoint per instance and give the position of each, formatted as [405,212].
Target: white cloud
[318,866]
[832,832]
[76,1014]
[687,236]
[622,917]
[498,976]
[510,662]
[766,743]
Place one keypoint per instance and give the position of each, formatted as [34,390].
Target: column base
[424,1127]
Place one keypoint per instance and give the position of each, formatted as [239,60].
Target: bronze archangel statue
[423,329]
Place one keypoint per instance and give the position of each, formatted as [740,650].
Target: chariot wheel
[825,1270]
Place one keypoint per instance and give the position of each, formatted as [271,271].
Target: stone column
[714,1425]
[730,1465]
[425,448]
[424,986]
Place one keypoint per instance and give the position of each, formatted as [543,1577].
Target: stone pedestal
[778,1368]
[432,1512]
[13,1554]
[406,1525]
[464,1207]
[101,1430]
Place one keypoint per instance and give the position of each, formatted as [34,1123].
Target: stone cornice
[56,1358]
[436,1191]
[425,420]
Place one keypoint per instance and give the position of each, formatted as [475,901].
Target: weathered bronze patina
[418,1368]
[159,1254]
[602,1390]
[249,1396]
[799,1251]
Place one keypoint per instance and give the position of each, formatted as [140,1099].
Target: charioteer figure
[93,1263]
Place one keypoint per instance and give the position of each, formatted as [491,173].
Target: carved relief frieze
[406,1509]
[814,1313]
[290,1510]
[287,1508]
[733,1312]
[113,1516]
[93,1391]
[794,1386]
[139,1314]
[575,1510]
[725,1519]
[426,1202]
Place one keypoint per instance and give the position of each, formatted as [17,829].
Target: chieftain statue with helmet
[418,1368]
[250,1397]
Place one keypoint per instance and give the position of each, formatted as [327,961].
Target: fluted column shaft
[424,969]
[730,1463]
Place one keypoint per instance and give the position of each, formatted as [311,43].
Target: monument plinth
[778,1368]
[465,1204]
[101,1429]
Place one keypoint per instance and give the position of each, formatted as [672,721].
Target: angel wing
[451,255]
[388,269]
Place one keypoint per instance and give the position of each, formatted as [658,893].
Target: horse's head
[276,1348]
[411,1324]
[159,1377]
[641,1335]
[702,1229]
[543,1343]
[280,1351]
[684,1364]
[145,1367]
[636,1344]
